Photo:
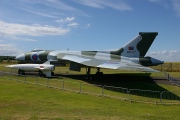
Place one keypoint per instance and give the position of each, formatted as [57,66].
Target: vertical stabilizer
[147,40]
[139,46]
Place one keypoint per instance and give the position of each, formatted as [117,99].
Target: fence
[173,80]
[168,67]
[137,95]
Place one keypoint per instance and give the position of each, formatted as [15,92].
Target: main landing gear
[97,75]
[98,72]
[88,71]
[41,74]
[21,72]
[44,75]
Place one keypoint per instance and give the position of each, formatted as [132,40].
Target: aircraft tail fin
[138,46]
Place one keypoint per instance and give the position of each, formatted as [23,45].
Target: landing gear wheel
[40,74]
[52,73]
[44,75]
[88,71]
[21,72]
[98,74]
[89,77]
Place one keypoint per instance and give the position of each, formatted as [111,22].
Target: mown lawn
[25,101]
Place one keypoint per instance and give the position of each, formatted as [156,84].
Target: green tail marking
[147,39]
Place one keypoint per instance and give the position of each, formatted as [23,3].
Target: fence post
[128,92]
[80,88]
[24,78]
[10,74]
[103,90]
[167,76]
[17,77]
[63,85]
[47,82]
[37,80]
[162,97]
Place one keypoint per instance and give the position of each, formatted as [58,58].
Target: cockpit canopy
[36,50]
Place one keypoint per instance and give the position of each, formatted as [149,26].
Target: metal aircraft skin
[44,69]
[129,57]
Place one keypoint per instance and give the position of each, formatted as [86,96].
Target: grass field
[33,102]
[25,101]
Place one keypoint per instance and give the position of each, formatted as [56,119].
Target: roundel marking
[35,57]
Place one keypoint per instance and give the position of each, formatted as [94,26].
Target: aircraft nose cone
[20,57]
[10,66]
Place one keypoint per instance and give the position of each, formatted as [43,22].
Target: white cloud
[9,49]
[101,4]
[58,6]
[176,7]
[164,3]
[167,56]
[88,25]
[40,13]
[73,24]
[155,1]
[67,19]
[50,3]
[70,19]
[172,4]
[90,3]
[22,39]
[30,30]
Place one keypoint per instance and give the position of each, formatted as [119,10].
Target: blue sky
[89,25]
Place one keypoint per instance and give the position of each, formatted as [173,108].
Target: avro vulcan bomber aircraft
[129,57]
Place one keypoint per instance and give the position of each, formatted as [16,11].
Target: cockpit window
[36,50]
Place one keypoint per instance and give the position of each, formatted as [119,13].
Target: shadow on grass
[140,84]
[141,81]
[126,80]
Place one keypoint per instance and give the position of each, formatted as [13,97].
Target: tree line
[8,58]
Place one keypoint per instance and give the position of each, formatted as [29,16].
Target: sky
[89,25]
